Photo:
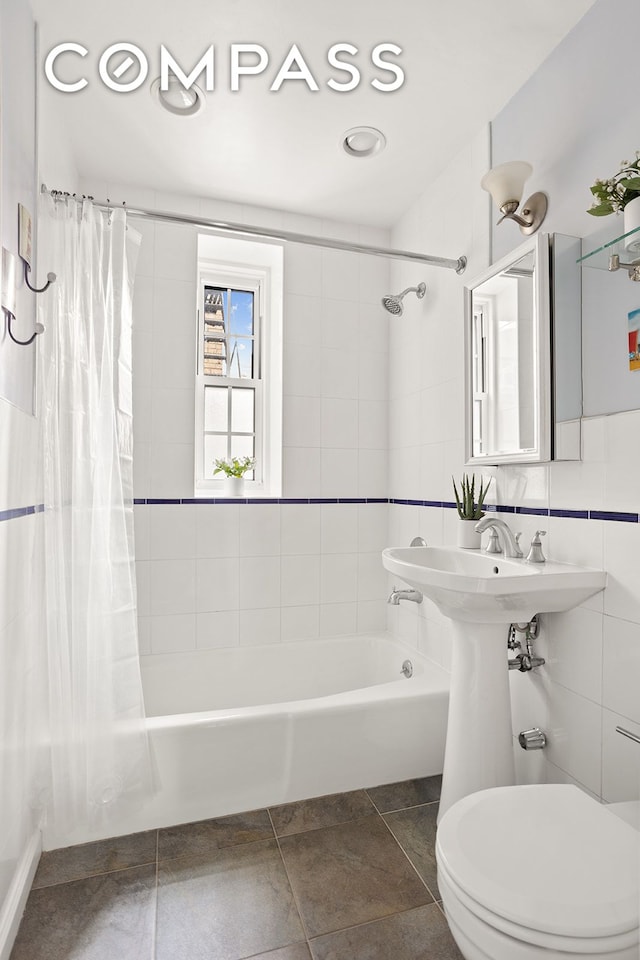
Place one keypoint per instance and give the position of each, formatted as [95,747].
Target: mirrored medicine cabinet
[523,355]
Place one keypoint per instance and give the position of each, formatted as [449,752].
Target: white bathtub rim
[432,679]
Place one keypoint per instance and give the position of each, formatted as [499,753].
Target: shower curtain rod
[286,235]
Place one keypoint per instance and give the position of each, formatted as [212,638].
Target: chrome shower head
[393,303]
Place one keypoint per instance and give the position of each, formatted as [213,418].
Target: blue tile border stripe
[17,512]
[616,516]
[613,515]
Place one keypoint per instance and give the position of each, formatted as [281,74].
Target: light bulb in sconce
[506,183]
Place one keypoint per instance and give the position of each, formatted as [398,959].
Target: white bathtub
[243,728]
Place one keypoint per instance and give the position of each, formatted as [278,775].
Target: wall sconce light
[505,183]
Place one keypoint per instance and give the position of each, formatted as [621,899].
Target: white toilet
[540,872]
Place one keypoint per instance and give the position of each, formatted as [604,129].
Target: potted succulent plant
[234,469]
[469,510]
[621,192]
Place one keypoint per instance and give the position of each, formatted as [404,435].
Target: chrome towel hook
[8,297]
[27,270]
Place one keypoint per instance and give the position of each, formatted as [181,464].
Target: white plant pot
[631,214]
[234,486]
[467,536]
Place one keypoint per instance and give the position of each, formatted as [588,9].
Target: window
[239,362]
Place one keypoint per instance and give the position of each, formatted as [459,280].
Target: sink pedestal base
[479,748]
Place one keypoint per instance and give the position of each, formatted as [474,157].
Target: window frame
[255,267]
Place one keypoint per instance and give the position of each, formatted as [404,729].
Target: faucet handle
[535,554]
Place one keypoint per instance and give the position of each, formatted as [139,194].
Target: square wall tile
[259,626]
[302,374]
[301,472]
[145,262]
[300,580]
[144,636]
[339,578]
[141,469]
[259,530]
[339,473]
[172,416]
[339,527]
[339,423]
[373,527]
[621,551]
[621,668]
[338,619]
[373,424]
[373,376]
[372,577]
[372,616]
[172,531]
[373,473]
[217,530]
[339,373]
[141,530]
[622,462]
[577,486]
[172,586]
[303,320]
[172,346]
[173,633]
[143,589]
[220,629]
[572,540]
[340,275]
[218,584]
[302,421]
[300,623]
[142,407]
[175,251]
[620,762]
[571,643]
[302,270]
[373,323]
[259,582]
[170,470]
[300,529]
[575,736]
[340,323]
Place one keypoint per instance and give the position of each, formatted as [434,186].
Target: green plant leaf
[632,183]
[602,210]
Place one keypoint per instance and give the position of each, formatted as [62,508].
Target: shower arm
[264,232]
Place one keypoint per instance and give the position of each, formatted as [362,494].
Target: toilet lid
[546,857]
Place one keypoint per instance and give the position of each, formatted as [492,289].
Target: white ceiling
[463,60]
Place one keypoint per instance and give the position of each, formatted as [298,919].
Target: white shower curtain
[99,750]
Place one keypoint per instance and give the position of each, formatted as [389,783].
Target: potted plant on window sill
[469,510]
[234,469]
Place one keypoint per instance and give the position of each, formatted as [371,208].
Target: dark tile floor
[345,877]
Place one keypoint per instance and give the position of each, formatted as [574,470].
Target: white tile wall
[592,674]
[222,575]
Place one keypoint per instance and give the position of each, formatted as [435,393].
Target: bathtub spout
[397,595]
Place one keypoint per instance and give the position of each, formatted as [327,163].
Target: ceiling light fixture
[505,183]
[363,141]
[177,100]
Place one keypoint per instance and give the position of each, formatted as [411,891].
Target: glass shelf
[600,257]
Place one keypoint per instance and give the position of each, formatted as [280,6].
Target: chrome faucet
[509,543]
[397,595]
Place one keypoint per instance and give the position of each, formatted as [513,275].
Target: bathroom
[372,415]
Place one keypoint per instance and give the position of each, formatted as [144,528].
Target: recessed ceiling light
[363,141]
[177,100]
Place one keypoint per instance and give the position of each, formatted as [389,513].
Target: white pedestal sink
[482,594]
